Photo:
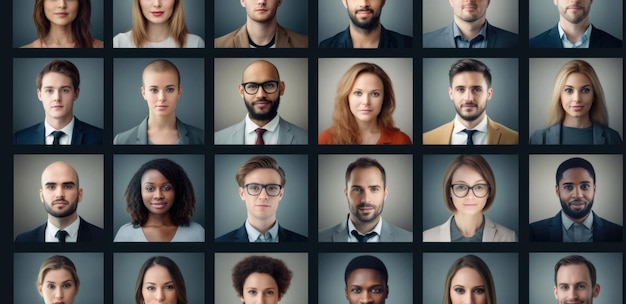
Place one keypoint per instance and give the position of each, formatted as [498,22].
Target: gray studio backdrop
[400,70]
[333,204]
[24,31]
[332,268]
[29,213]
[129,107]
[230,15]
[503,211]
[605,15]
[608,275]
[126,267]
[544,202]
[543,71]
[397,15]
[502,14]
[229,106]
[503,106]
[89,267]
[502,265]
[125,166]
[194,16]
[230,210]
[27,108]
[297,262]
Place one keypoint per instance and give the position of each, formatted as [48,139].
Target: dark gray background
[89,266]
[27,109]
[129,107]
[230,210]
[502,14]
[502,265]
[230,15]
[504,167]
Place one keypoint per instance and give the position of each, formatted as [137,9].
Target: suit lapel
[285,136]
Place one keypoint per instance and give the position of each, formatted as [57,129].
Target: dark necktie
[57,137]
[363,238]
[61,235]
[470,135]
[259,136]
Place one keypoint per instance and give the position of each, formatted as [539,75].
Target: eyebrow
[63,183]
[152,283]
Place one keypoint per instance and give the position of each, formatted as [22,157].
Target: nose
[156,3]
[158,295]
[58,192]
[578,192]
[62,3]
[58,293]
[365,297]
[158,193]
[468,298]
[263,194]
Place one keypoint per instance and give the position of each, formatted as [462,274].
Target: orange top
[387,137]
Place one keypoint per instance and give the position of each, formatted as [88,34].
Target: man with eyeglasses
[261,89]
[576,188]
[261,186]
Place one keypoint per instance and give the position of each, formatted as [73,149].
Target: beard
[266,116]
[573,214]
[71,210]
[576,19]
[471,117]
[367,25]
[354,211]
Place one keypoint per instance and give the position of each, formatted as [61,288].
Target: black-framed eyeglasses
[479,190]
[269,87]
[271,189]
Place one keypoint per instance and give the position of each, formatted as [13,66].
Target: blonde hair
[177,25]
[57,262]
[598,112]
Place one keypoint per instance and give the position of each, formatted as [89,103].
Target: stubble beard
[472,117]
[61,214]
[354,211]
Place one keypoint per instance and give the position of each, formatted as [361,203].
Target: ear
[76,93]
[345,4]
[282,88]
[180,90]
[347,293]
[556,190]
[282,192]
[80,194]
[39,288]
[242,193]
[489,93]
[39,95]
[241,91]
[386,193]
[345,192]
[143,93]
[596,290]
[555,295]
[450,93]
[387,291]
[555,2]
[243,3]
[41,195]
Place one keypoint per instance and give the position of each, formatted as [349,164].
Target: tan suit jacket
[284,39]
[497,134]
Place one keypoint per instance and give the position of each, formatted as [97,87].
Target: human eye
[269,292]
[377,290]
[568,187]
[356,290]
[585,186]
[460,187]
[68,186]
[357,189]
[459,290]
[149,188]
[151,288]
[272,188]
[166,188]
[252,292]
[50,286]
[586,90]
[477,89]
[460,89]
[357,93]
[270,85]
[375,189]
[48,91]
[169,287]
[563,287]
[375,94]
[479,290]
[50,187]
[252,86]
[65,90]
[480,187]
[254,187]
[67,285]
[153,90]
[568,90]
[169,90]
[580,286]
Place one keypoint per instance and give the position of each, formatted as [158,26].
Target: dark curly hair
[184,199]
[262,264]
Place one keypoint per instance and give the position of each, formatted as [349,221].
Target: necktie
[57,136]
[363,238]
[61,235]
[470,134]
[261,239]
[259,136]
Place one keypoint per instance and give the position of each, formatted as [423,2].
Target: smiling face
[366,97]
[366,194]
[157,11]
[60,193]
[573,285]
[157,192]
[576,191]
[365,285]
[470,204]
[577,96]
[573,12]
[262,106]
[57,95]
[468,287]
[364,14]
[60,12]
[469,11]
[261,11]
[261,207]
[58,286]
[158,286]
[469,93]
[260,288]
[161,91]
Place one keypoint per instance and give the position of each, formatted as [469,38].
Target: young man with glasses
[261,89]
[261,186]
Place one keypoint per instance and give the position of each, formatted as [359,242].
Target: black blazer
[83,134]
[241,236]
[549,230]
[86,233]
[551,39]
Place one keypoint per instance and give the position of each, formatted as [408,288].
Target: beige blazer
[497,134]
[492,233]
[284,39]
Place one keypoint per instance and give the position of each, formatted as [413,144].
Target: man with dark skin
[366,280]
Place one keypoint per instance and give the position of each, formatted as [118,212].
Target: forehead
[577,78]
[469,79]
[576,174]
[262,175]
[258,279]
[370,175]
[466,172]
[153,175]
[58,171]
[368,79]
[58,275]
[365,276]
[55,79]
[157,273]
[467,275]
[260,71]
[153,76]
[573,273]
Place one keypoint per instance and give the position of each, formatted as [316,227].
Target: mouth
[364,13]
[60,202]
[577,108]
[161,107]
[61,14]
[159,205]
[157,13]
[469,7]
[263,206]
[261,10]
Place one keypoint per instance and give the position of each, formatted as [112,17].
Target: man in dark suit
[574,29]
[576,187]
[60,194]
[261,186]
[57,89]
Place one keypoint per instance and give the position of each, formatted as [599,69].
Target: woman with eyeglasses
[469,189]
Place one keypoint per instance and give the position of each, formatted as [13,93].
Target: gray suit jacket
[288,134]
[552,135]
[389,233]
[188,135]
[444,38]
[492,233]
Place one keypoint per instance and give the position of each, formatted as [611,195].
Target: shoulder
[228,40]
[440,135]
[127,137]
[30,135]
[35,44]
[399,234]
[294,40]
[324,137]
[127,233]
[541,224]
[542,40]
[434,39]
[291,236]
[194,232]
[226,135]
[227,237]
[194,41]
[97,44]
[502,128]
[504,38]
[293,127]
[326,234]
[546,136]
[432,234]
[397,137]
[612,137]
[397,40]
[87,127]
[195,135]
[31,235]
[339,40]
[539,137]
[606,40]
[123,40]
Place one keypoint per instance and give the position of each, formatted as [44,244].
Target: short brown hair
[259,162]
[477,163]
[262,264]
[64,67]
[576,260]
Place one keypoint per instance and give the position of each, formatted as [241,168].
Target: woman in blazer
[469,189]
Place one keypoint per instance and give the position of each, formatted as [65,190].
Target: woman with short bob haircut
[176,277]
[269,272]
[67,288]
[160,201]
[469,190]
[364,106]
[56,32]
[577,113]
[486,290]
[153,32]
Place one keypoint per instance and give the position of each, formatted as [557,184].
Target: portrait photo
[230,15]
[503,14]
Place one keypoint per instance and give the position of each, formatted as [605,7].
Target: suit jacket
[388,39]
[389,233]
[551,39]
[497,134]
[288,134]
[491,233]
[444,38]
[86,233]
[284,39]
[188,135]
[82,134]
[552,135]
[550,230]
[241,236]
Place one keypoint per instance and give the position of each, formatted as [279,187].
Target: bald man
[60,194]
[261,89]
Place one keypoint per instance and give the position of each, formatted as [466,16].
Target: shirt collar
[456,32]
[67,129]
[271,126]
[71,229]
[582,42]
[254,234]
[377,229]
[459,127]
[567,222]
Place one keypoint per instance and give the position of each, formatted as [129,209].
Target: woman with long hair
[469,281]
[57,281]
[160,281]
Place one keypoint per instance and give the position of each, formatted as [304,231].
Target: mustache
[365,205]
[262,99]
[60,201]
[369,10]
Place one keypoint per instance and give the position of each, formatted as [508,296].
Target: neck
[59,35]
[261,33]
[468,225]
[471,124]
[59,123]
[159,220]
[577,122]
[364,227]
[162,122]
[261,123]
[158,32]
[469,30]
[574,31]
[262,225]
[63,222]
[365,39]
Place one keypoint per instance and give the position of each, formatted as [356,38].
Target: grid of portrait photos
[330,151]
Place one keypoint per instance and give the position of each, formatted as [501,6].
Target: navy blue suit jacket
[388,39]
[241,236]
[551,39]
[83,134]
[549,230]
[87,233]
